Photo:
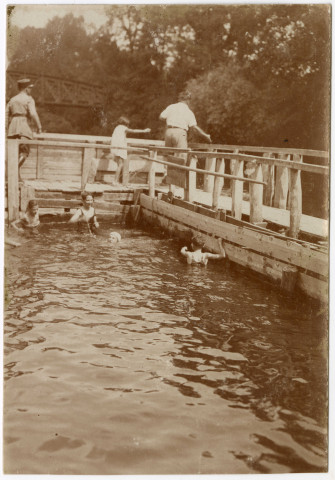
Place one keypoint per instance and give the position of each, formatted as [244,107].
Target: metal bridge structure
[50,90]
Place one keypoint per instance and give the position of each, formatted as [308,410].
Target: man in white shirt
[179,119]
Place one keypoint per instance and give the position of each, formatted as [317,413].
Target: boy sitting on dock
[86,214]
[198,256]
[119,144]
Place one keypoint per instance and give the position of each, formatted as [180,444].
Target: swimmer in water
[30,219]
[86,214]
[198,256]
[114,237]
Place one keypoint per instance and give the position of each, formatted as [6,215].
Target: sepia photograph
[166,207]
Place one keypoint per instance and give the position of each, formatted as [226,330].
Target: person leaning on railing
[19,109]
[179,119]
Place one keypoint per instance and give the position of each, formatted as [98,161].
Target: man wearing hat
[19,109]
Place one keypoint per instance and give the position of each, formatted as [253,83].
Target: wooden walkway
[309,225]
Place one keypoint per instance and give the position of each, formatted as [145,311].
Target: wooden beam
[256,196]
[151,174]
[237,189]
[281,249]
[269,179]
[89,154]
[295,205]
[209,179]
[218,182]
[13,179]
[199,170]
[191,181]
[281,186]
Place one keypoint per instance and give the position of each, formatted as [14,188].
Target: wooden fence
[272,174]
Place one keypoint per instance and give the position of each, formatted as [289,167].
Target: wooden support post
[269,179]
[27,193]
[281,188]
[237,189]
[191,181]
[39,162]
[125,173]
[86,165]
[256,195]
[218,182]
[289,278]
[13,179]
[151,174]
[209,179]
[295,198]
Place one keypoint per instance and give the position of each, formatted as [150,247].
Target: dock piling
[256,195]
[13,179]
[237,188]
[295,198]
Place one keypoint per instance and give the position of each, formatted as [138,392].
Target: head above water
[32,206]
[114,237]
[197,243]
[84,195]
[123,121]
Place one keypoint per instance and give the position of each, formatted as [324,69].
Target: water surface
[125,360]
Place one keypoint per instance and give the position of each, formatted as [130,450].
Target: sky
[38,15]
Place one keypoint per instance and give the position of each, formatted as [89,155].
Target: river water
[125,360]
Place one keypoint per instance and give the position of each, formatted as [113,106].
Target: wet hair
[31,205]
[84,195]
[123,121]
[197,243]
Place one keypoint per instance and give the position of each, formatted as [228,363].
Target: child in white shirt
[119,143]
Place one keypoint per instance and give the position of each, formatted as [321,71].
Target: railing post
[295,200]
[39,163]
[125,173]
[191,181]
[218,182]
[86,165]
[281,188]
[13,179]
[269,179]
[209,179]
[151,174]
[256,195]
[237,189]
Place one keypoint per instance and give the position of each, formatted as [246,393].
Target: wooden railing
[273,175]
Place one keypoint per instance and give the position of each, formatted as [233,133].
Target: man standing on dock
[179,119]
[19,109]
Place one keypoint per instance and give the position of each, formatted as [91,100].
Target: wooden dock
[259,217]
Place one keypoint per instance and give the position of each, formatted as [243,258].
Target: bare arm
[138,130]
[34,115]
[75,217]
[186,254]
[16,225]
[217,256]
[202,133]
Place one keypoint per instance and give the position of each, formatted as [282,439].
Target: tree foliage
[259,74]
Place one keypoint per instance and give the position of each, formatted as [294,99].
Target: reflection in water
[124,360]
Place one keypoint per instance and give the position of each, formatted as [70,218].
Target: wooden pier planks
[281,250]
[311,225]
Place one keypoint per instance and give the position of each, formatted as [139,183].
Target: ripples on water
[125,360]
